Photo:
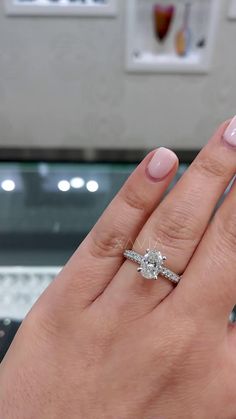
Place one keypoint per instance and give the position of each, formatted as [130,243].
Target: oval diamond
[151,264]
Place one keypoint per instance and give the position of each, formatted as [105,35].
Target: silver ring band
[152,265]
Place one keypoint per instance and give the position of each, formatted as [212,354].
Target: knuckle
[226,231]
[134,199]
[108,243]
[176,226]
[209,166]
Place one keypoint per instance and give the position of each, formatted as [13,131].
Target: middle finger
[176,226]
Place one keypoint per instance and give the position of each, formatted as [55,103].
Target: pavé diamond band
[152,265]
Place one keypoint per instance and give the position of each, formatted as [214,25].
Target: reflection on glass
[92,186]
[8,185]
[77,182]
[63,185]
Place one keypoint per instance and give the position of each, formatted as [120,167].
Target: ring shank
[133,256]
[167,273]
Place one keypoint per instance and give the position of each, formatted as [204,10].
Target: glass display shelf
[48,208]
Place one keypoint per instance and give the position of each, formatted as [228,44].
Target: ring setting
[151,265]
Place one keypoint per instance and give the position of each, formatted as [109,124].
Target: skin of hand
[102,342]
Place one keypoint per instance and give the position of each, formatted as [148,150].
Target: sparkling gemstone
[151,264]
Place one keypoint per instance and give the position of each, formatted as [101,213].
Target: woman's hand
[103,342]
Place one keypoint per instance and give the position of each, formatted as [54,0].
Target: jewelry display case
[175,36]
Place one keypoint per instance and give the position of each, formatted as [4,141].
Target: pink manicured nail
[161,163]
[230,132]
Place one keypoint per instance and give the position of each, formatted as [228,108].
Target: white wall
[63,84]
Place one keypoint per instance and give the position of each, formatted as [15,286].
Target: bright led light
[8,185]
[63,185]
[77,182]
[92,186]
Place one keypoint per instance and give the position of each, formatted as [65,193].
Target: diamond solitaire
[151,265]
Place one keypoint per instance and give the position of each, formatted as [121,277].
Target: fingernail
[161,163]
[230,133]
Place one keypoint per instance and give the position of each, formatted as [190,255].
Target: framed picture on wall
[175,36]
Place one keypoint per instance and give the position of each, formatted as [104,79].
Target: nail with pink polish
[230,133]
[161,163]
